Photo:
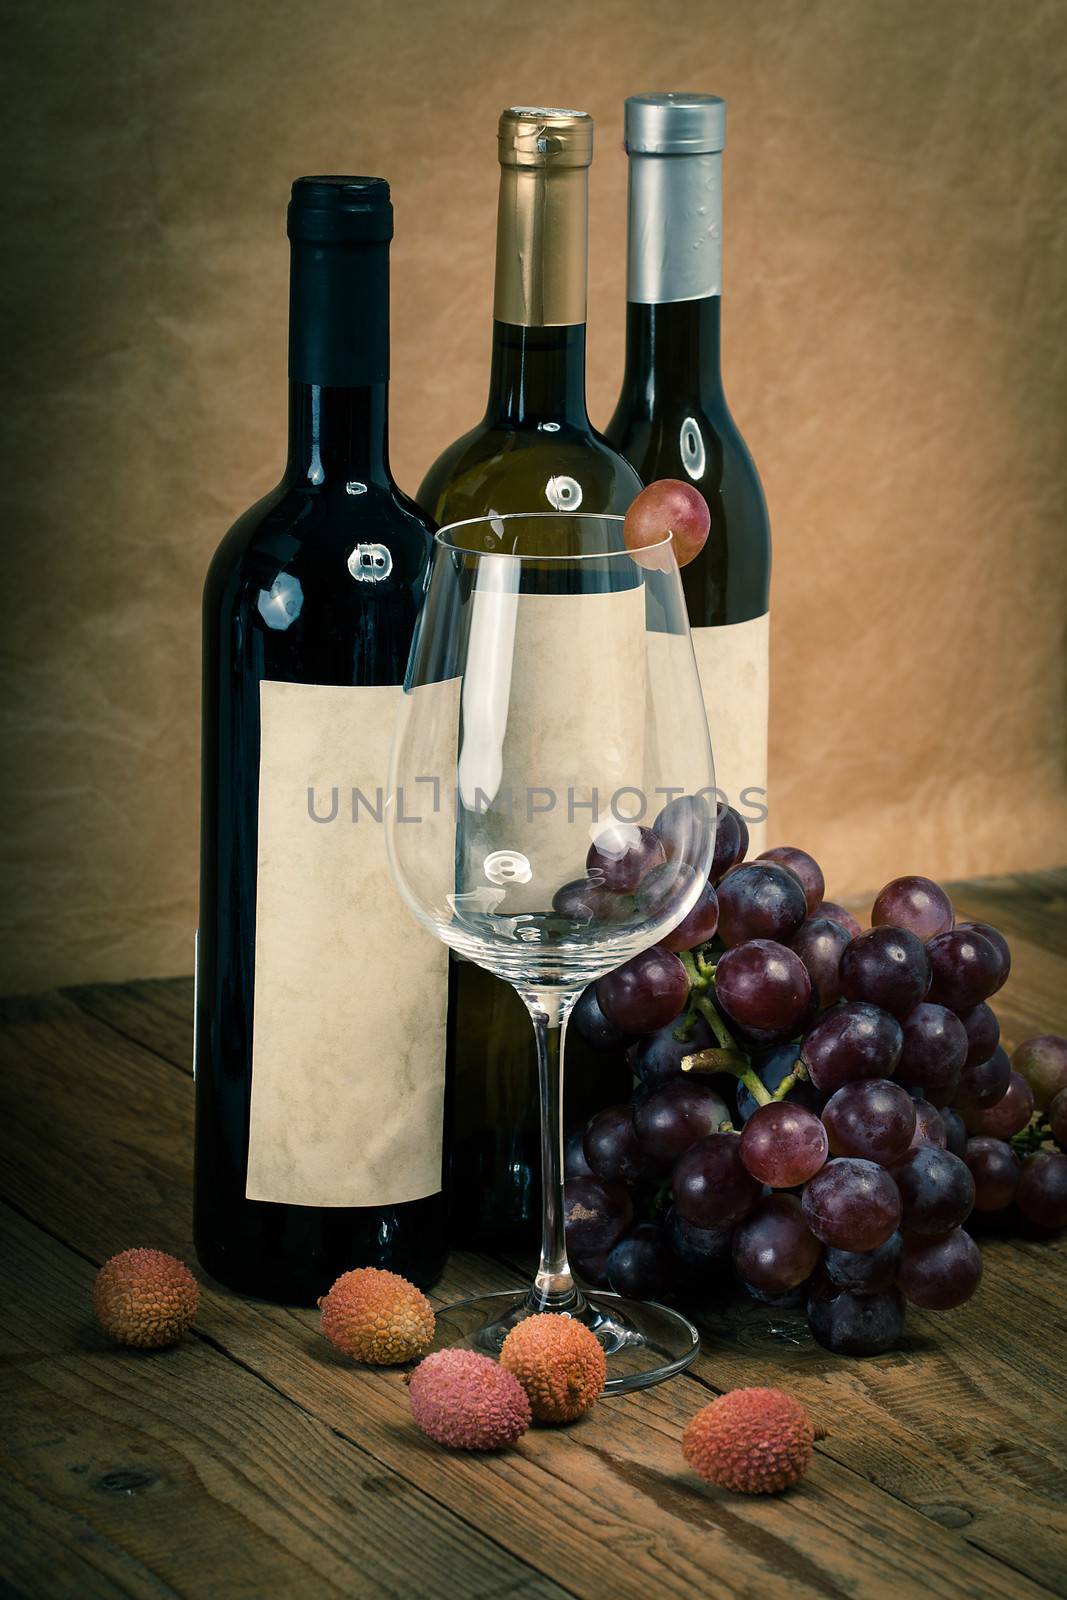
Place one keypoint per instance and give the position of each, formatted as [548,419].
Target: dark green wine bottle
[320,1006]
[672,421]
[534,450]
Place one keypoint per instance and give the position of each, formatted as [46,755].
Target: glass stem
[553,1288]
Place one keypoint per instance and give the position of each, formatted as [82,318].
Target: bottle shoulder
[344,542]
[551,466]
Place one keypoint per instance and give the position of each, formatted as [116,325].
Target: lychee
[377,1317]
[145,1298]
[753,1441]
[559,1362]
[467,1401]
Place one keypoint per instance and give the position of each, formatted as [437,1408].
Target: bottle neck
[537,376]
[338,435]
[338,361]
[674,246]
[673,356]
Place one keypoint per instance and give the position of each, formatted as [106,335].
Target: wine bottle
[321,1008]
[672,420]
[534,450]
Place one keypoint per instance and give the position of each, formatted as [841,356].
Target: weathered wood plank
[155,1012]
[623,1511]
[178,1472]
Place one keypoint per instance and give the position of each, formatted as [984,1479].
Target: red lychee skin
[753,1441]
[145,1298]
[467,1401]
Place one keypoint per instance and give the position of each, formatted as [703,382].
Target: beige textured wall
[896,353]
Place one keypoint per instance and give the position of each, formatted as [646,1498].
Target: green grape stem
[1032,1137]
[728,1055]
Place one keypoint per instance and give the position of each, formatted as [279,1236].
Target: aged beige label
[574,715]
[733,662]
[348,1054]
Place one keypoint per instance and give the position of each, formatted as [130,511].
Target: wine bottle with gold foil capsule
[535,449]
[672,420]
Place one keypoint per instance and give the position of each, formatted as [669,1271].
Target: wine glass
[551,815]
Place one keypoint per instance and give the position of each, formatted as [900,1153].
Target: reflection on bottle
[563,493]
[370,563]
[691,447]
[282,602]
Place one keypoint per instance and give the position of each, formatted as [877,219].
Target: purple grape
[855,1324]
[698,925]
[804,868]
[1042,1192]
[916,903]
[758,1041]
[612,1148]
[622,854]
[742,828]
[819,943]
[852,1205]
[983,1084]
[658,1056]
[675,1117]
[664,887]
[1043,1063]
[929,1127]
[709,1183]
[779,1299]
[964,969]
[887,967]
[783,1145]
[942,1272]
[592,1269]
[762,984]
[636,1266]
[839,914]
[1008,1115]
[1057,1118]
[955,1130]
[872,1119]
[777,1064]
[983,1033]
[592,1024]
[587,900]
[866,1271]
[645,993]
[727,842]
[683,828]
[935,1048]
[773,1247]
[1000,945]
[936,1190]
[696,1248]
[574,1163]
[853,1041]
[760,901]
[996,1170]
[596,1215]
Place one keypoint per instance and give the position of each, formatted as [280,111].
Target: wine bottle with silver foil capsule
[321,1007]
[535,449]
[672,420]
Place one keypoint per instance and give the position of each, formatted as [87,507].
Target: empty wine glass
[550,816]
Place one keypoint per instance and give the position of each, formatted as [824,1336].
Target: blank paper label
[348,1055]
[733,662]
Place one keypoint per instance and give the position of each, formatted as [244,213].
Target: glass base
[643,1341]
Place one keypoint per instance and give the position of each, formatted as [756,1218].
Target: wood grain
[943,1470]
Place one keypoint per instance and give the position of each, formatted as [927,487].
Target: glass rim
[545,516]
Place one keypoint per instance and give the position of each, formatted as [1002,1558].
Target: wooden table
[250,1461]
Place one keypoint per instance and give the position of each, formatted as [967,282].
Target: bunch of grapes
[818,1110]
